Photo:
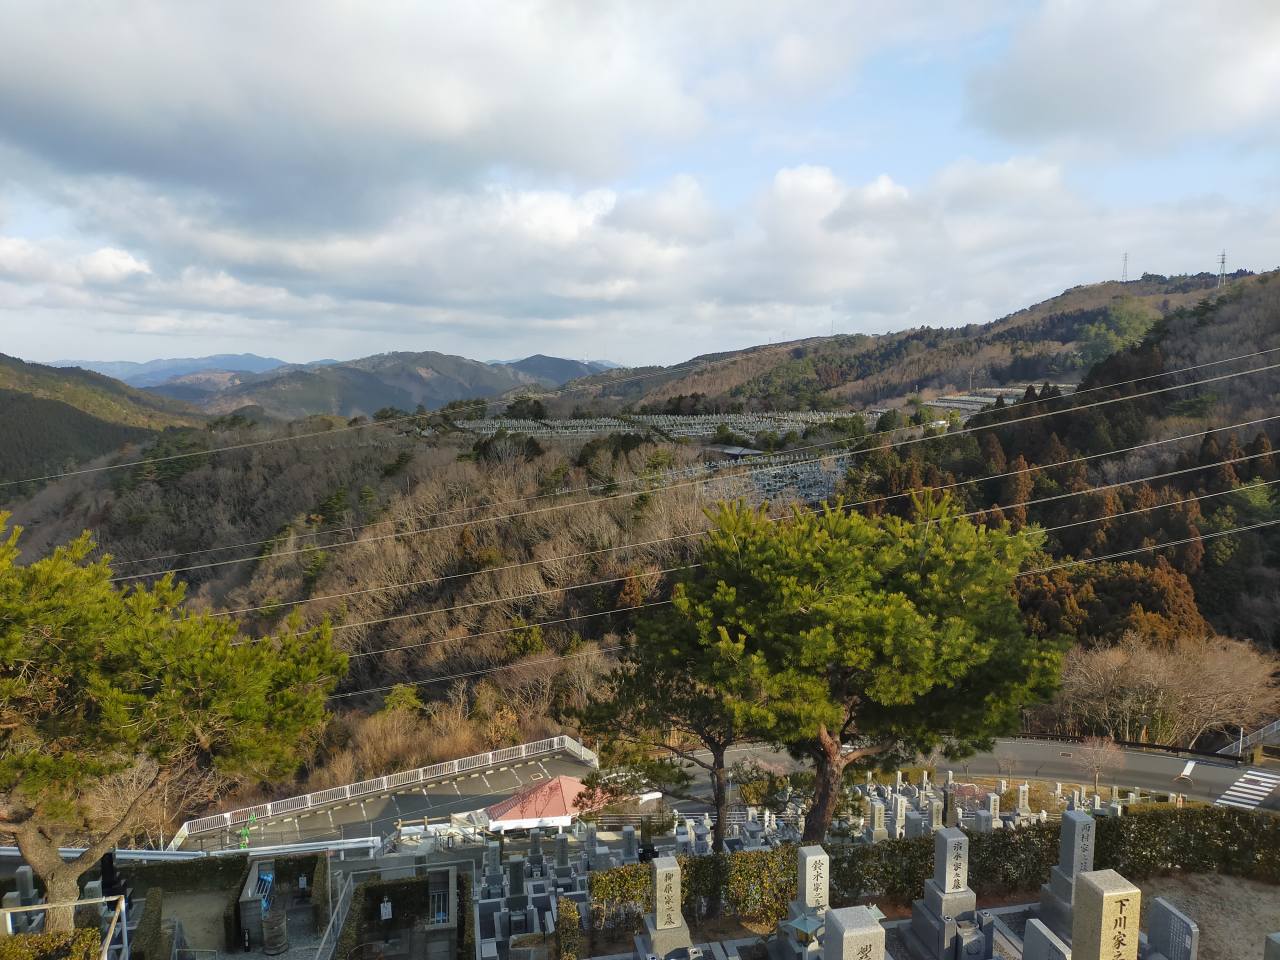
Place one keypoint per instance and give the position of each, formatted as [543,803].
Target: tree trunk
[828,769]
[62,886]
[720,799]
[60,878]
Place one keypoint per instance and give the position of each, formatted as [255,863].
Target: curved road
[1051,760]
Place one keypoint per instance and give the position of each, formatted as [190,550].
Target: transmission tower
[1222,268]
[1124,268]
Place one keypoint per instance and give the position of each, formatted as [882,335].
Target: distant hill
[362,387]
[1053,340]
[555,371]
[55,417]
[155,372]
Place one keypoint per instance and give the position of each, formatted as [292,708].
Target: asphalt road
[1012,759]
[1057,761]
[377,815]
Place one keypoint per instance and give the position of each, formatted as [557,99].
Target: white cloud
[1137,75]
[111,265]
[643,276]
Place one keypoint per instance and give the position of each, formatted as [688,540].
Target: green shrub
[466,929]
[758,884]
[320,881]
[203,873]
[145,942]
[75,945]
[568,930]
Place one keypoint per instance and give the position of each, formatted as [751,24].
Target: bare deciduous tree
[1096,754]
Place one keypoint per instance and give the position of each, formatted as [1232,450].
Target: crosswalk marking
[1250,790]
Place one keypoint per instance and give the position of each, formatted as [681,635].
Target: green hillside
[94,394]
[40,437]
[1056,340]
[54,418]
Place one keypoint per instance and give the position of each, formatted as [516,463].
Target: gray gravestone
[515,877]
[1041,943]
[942,923]
[983,822]
[665,928]
[877,831]
[813,878]
[853,933]
[1271,947]
[25,879]
[914,825]
[1172,932]
[562,849]
[1075,856]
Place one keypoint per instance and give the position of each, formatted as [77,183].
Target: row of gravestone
[905,810]
[1083,914]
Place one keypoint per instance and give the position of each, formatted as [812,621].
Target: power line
[697,481]
[658,603]
[1026,573]
[636,480]
[1032,468]
[411,615]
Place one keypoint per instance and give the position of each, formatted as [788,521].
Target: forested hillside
[1056,340]
[496,574]
[52,419]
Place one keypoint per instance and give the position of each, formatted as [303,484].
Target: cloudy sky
[632,181]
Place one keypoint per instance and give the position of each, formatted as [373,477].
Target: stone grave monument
[665,931]
[1041,943]
[1075,856]
[1171,934]
[853,933]
[797,937]
[1104,920]
[944,924]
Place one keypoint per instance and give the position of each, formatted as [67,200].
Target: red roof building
[550,804]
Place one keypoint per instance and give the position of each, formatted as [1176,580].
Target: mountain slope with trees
[506,553]
[1056,340]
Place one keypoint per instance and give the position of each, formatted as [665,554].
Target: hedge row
[568,930]
[411,901]
[83,944]
[145,941]
[758,884]
[466,926]
[198,873]
[320,880]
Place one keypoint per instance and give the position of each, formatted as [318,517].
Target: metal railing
[329,941]
[118,924]
[395,781]
[1238,747]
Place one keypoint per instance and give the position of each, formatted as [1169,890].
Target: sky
[636,182]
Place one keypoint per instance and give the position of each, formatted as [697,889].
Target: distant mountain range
[155,372]
[362,387]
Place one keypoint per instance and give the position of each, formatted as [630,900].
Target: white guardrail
[1238,747]
[394,781]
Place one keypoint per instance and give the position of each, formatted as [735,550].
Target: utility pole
[1222,269]
[1124,268]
